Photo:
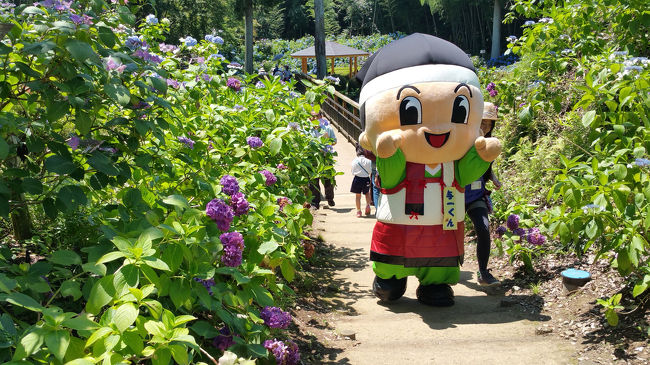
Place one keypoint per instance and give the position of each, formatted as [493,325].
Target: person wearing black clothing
[478,205]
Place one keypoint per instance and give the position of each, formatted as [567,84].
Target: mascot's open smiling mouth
[436,140]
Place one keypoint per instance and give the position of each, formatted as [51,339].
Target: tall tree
[319,39]
[496,30]
[248,15]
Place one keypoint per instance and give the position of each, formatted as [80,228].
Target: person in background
[323,131]
[374,192]
[361,167]
[276,71]
[286,74]
[478,204]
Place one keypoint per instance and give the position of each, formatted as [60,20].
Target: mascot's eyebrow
[407,87]
[461,85]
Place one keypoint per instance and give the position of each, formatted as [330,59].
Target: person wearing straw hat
[421,108]
[478,204]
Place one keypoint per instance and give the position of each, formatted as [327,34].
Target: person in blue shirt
[478,205]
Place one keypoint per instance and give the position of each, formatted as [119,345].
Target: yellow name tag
[449,209]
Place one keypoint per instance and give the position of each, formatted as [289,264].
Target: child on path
[361,167]
[478,205]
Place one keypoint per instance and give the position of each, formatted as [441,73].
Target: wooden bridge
[342,111]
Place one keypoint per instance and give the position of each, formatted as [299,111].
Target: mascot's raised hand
[421,107]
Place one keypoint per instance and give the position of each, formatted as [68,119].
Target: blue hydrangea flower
[642,162]
[189,41]
[151,19]
[501,231]
[135,42]
[529,23]
[213,39]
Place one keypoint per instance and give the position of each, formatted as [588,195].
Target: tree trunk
[21,220]
[496,30]
[319,39]
[248,13]
[435,26]
[390,14]
[480,26]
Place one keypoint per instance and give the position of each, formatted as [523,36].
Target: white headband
[417,74]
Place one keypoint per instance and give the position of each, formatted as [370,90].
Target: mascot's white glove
[487,148]
[386,145]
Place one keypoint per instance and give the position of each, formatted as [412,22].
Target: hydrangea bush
[575,129]
[150,142]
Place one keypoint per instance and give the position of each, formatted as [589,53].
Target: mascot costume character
[421,107]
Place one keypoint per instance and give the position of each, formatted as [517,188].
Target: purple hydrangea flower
[491,86]
[149,57]
[233,245]
[281,166]
[230,185]
[501,231]
[270,178]
[283,201]
[259,85]
[275,317]
[167,47]
[493,92]
[513,222]
[233,83]
[188,142]
[173,83]
[83,19]
[519,232]
[239,204]
[207,283]
[224,340]
[220,212]
[535,237]
[73,142]
[254,142]
[285,354]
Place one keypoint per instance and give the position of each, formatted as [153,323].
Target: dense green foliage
[576,130]
[112,144]
[466,23]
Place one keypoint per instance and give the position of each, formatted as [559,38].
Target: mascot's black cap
[414,50]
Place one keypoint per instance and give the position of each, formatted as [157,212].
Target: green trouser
[426,275]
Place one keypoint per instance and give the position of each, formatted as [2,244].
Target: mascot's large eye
[461,110]
[410,111]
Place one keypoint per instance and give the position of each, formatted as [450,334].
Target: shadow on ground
[472,309]
[321,294]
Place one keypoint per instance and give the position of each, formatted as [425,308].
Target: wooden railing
[342,112]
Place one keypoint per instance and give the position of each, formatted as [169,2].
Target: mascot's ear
[362,73]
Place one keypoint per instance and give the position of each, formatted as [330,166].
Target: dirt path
[478,329]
